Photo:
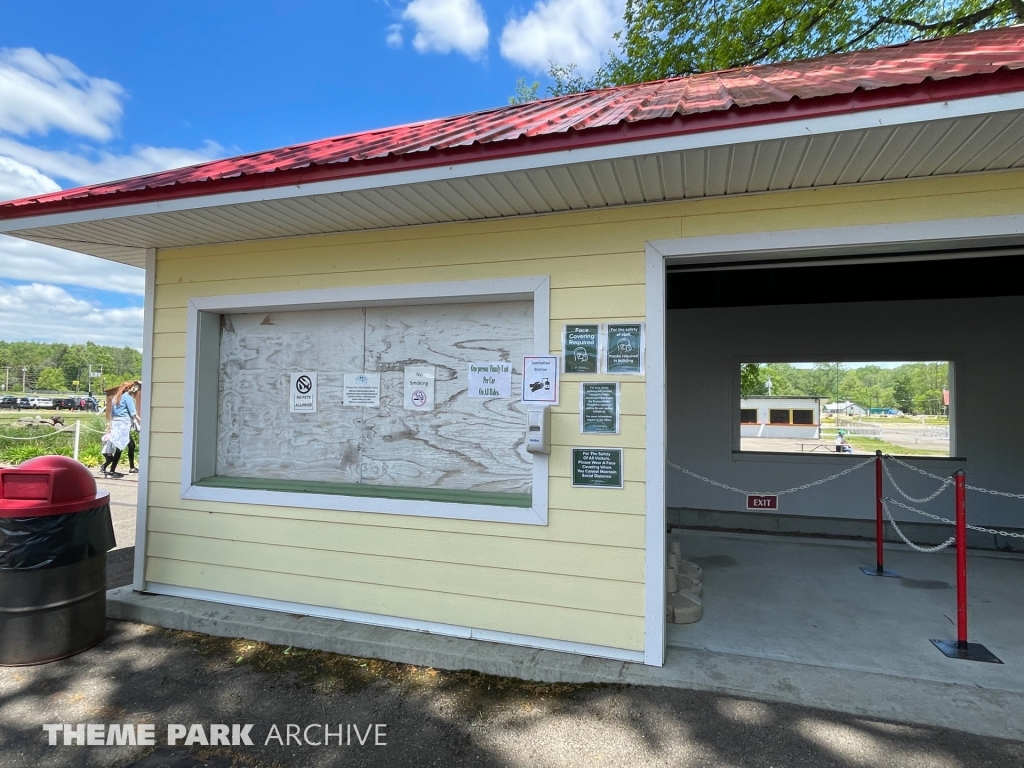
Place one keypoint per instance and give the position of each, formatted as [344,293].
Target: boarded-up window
[748,415]
[778,416]
[464,444]
[803,416]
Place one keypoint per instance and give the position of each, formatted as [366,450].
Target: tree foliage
[670,38]
[49,365]
[912,387]
[523,92]
[52,380]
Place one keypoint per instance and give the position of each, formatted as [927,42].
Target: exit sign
[765,501]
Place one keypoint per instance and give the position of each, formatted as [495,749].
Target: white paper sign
[490,379]
[419,388]
[362,389]
[303,392]
[540,379]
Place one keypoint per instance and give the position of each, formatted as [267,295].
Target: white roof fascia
[850,121]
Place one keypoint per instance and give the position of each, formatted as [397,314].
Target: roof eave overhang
[121,230]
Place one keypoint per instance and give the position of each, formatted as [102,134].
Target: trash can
[55,532]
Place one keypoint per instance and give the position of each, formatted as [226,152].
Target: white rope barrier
[908,542]
[952,522]
[969,487]
[68,428]
[945,484]
[803,487]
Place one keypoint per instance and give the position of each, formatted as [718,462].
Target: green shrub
[47,442]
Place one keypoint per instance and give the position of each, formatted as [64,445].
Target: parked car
[10,403]
[40,402]
[65,403]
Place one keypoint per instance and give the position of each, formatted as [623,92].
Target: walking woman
[123,415]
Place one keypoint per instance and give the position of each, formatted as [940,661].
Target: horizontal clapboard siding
[580,578]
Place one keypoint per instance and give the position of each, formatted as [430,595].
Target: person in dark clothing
[132,469]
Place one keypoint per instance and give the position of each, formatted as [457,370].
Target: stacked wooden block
[684,582]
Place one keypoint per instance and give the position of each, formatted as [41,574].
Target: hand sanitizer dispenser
[538,429]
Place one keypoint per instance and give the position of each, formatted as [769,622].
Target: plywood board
[463,444]
[257,436]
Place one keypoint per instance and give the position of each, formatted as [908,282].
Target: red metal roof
[989,61]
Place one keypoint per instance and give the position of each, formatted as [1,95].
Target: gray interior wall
[982,338]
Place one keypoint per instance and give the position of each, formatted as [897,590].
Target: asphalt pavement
[123,497]
[424,717]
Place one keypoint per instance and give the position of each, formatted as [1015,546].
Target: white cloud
[40,92]
[447,25]
[27,261]
[564,32]
[92,165]
[394,38]
[39,312]
[19,180]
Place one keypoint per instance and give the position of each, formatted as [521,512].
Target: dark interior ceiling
[788,282]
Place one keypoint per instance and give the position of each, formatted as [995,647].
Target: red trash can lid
[49,485]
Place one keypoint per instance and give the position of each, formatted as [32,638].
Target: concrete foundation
[790,620]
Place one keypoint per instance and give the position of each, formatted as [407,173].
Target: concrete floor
[806,601]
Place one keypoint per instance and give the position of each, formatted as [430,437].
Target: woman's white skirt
[120,427]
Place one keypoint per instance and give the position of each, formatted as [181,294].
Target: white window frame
[202,363]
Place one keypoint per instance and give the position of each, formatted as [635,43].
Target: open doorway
[815,347]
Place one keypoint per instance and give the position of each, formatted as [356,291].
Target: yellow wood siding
[580,578]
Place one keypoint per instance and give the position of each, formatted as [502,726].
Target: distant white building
[780,417]
[846,408]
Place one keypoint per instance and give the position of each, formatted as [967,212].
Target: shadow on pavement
[142,674]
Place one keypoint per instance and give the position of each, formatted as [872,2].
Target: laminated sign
[303,392]
[624,348]
[362,389]
[419,387]
[580,347]
[540,379]
[490,380]
[599,407]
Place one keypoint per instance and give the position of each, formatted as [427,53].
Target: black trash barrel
[55,532]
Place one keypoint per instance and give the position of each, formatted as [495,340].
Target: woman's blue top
[125,407]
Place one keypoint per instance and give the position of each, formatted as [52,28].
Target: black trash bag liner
[35,543]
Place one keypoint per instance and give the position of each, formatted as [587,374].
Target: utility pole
[7,378]
[92,376]
[24,370]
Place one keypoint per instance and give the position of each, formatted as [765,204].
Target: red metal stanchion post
[961,649]
[961,560]
[879,569]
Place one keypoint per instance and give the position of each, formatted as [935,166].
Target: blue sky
[91,92]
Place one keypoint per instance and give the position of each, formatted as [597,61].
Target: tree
[524,92]
[670,38]
[51,379]
[752,379]
[901,392]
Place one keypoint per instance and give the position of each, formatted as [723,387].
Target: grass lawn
[44,442]
[877,444]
